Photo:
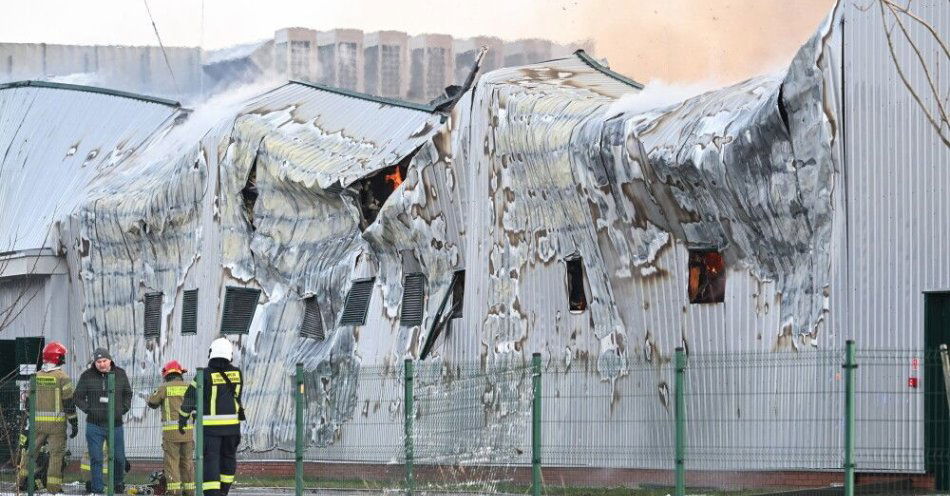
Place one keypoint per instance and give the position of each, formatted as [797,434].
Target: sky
[680,41]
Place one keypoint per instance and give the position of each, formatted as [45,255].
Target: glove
[73,427]
[182,421]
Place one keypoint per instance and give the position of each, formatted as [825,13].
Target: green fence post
[31,440]
[110,487]
[680,392]
[849,367]
[199,431]
[298,436]
[536,425]
[408,412]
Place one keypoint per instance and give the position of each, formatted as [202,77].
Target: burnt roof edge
[90,89]
[587,59]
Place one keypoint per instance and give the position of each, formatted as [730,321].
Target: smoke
[689,41]
[658,94]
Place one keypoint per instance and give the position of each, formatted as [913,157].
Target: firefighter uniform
[54,408]
[223,413]
[178,447]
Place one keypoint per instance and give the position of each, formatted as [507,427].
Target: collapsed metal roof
[329,137]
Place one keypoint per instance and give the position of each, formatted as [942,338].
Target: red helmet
[54,353]
[173,367]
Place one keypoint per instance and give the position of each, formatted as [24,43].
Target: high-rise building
[340,56]
[431,66]
[467,49]
[528,51]
[294,53]
[386,63]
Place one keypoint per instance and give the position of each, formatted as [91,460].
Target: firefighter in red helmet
[178,446]
[54,409]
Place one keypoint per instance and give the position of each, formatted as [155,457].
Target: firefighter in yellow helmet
[178,447]
[54,409]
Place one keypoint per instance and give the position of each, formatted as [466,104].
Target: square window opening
[707,277]
[577,295]
[458,294]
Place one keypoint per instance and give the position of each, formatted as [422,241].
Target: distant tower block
[431,68]
[529,51]
[467,49]
[340,56]
[386,64]
[295,53]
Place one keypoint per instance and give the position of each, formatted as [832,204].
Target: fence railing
[723,422]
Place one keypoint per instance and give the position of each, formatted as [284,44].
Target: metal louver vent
[357,302]
[413,299]
[189,312]
[312,326]
[239,307]
[153,315]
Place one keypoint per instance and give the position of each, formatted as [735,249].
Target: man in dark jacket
[92,397]
[223,413]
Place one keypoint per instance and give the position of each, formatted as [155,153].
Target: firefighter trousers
[220,463]
[179,466]
[56,444]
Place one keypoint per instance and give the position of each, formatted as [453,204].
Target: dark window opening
[357,302]
[249,194]
[189,312]
[577,297]
[458,294]
[375,190]
[707,277]
[240,304]
[782,112]
[153,315]
[312,326]
[413,300]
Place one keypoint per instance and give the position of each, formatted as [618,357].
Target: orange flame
[395,178]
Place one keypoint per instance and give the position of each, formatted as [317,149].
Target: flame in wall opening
[394,179]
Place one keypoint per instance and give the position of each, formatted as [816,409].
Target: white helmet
[221,348]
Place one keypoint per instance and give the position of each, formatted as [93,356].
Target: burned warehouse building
[546,208]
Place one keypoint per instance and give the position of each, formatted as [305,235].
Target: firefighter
[223,414]
[54,409]
[178,447]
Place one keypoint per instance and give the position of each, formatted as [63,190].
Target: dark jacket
[221,418]
[92,395]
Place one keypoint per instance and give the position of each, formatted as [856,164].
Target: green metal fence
[723,423]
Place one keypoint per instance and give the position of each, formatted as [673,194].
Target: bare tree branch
[907,84]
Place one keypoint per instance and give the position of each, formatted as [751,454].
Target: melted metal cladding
[749,170]
[533,168]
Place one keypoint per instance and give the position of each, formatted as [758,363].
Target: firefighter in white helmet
[223,413]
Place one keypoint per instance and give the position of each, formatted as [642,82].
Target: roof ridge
[366,96]
[607,71]
[90,89]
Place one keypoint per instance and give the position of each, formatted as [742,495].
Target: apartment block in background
[467,49]
[386,63]
[528,51]
[340,56]
[431,66]
[294,53]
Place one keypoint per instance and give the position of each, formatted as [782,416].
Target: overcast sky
[672,40]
